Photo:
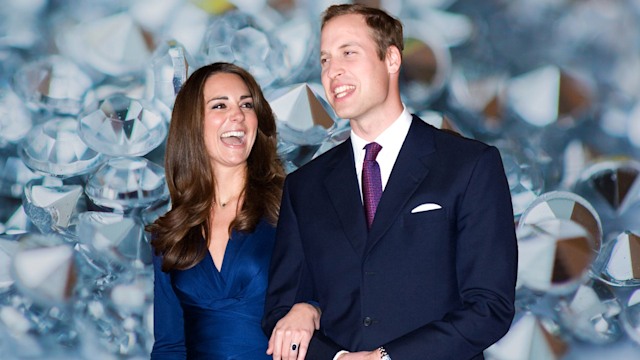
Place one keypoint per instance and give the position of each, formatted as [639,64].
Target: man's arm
[486,263]
[289,280]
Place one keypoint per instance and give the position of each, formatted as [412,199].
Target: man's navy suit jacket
[437,284]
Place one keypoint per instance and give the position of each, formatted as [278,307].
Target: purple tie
[371,181]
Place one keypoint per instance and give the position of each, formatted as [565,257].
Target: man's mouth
[343,90]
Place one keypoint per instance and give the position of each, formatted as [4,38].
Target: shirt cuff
[340,353]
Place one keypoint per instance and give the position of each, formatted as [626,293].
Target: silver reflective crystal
[46,273]
[170,66]
[531,337]
[8,249]
[619,260]
[236,37]
[54,148]
[591,313]
[612,186]
[51,206]
[301,115]
[14,175]
[565,205]
[116,236]
[15,119]
[113,45]
[122,126]
[126,183]
[54,84]
[630,316]
[554,255]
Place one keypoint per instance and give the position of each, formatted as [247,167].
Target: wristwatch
[383,354]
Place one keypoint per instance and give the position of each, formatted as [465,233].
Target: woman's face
[230,121]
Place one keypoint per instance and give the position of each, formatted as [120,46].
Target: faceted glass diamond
[122,126]
[548,95]
[127,183]
[14,175]
[54,148]
[591,313]
[46,273]
[300,40]
[482,95]
[554,255]
[630,316]
[426,65]
[51,207]
[530,337]
[15,120]
[612,186]
[119,237]
[619,260]
[301,115]
[53,84]
[443,122]
[614,181]
[170,67]
[523,174]
[565,205]
[8,249]
[113,45]
[235,37]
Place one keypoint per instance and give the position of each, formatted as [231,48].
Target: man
[433,275]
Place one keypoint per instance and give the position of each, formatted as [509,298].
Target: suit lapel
[342,186]
[410,169]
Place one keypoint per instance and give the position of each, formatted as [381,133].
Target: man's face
[355,80]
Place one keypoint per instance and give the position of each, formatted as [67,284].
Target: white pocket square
[425,207]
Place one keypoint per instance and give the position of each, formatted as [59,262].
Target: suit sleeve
[486,265]
[168,323]
[289,280]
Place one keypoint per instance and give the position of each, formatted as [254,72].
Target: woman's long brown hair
[177,235]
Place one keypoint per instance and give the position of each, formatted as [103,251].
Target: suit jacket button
[367,321]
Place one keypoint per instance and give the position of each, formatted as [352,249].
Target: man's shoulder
[323,162]
[450,140]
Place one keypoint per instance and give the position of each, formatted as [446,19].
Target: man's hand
[295,328]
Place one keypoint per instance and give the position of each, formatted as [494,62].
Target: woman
[213,247]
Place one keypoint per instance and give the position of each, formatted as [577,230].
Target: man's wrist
[340,353]
[383,353]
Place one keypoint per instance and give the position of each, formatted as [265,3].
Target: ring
[294,346]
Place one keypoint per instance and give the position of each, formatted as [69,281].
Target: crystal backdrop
[86,92]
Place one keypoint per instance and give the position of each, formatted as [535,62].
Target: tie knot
[372,149]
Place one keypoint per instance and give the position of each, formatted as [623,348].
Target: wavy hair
[385,29]
[177,235]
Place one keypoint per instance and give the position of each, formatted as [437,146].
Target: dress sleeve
[168,321]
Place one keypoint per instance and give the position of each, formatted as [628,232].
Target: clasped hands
[291,336]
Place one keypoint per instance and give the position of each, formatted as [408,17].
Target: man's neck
[370,127]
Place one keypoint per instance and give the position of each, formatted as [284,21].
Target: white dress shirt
[391,141]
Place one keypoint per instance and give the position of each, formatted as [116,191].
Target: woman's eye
[218,106]
[247,105]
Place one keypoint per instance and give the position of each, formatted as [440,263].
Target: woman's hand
[290,338]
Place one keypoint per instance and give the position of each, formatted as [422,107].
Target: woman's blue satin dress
[203,313]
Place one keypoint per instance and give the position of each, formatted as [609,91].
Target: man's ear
[393,59]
